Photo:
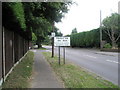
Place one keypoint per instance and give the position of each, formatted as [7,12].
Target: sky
[85,15]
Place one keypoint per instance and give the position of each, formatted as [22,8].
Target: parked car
[35,46]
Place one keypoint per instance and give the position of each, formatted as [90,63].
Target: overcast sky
[85,15]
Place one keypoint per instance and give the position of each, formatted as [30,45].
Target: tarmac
[43,74]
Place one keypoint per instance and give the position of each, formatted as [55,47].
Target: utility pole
[53,42]
[101,46]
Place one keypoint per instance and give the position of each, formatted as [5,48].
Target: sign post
[59,55]
[64,54]
[61,41]
[53,35]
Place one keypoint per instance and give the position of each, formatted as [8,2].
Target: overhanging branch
[117,38]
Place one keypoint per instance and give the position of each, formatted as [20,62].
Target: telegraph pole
[53,42]
[101,46]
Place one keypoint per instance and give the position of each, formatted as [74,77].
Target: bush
[107,45]
[86,39]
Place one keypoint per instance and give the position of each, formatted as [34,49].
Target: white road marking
[115,62]
[90,56]
[112,61]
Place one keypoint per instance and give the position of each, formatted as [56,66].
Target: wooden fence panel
[0,53]
[1,42]
[16,47]
[8,50]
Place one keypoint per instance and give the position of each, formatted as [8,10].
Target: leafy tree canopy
[111,26]
[74,31]
[36,17]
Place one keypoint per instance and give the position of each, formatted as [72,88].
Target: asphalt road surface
[103,64]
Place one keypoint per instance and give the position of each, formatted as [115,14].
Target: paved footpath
[43,75]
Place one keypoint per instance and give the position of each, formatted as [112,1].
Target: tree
[74,31]
[57,32]
[13,13]
[36,17]
[111,26]
[34,38]
[41,16]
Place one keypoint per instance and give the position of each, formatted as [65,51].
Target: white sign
[53,34]
[62,41]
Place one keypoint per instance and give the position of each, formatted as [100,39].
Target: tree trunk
[39,45]
[113,39]
[113,44]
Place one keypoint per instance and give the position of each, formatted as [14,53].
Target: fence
[0,43]
[0,54]
[12,47]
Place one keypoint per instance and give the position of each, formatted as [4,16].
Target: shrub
[107,45]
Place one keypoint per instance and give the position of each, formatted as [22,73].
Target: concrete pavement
[43,76]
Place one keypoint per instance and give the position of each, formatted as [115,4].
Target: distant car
[35,46]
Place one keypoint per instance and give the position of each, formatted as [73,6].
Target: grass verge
[75,77]
[42,48]
[20,76]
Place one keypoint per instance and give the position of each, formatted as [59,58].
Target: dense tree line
[90,39]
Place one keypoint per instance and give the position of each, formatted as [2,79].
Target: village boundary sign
[62,41]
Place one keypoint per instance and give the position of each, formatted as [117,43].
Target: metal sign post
[61,41]
[52,47]
[64,55]
[59,55]
[53,35]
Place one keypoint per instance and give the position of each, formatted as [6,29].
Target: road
[102,63]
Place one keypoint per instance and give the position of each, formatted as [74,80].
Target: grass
[74,76]
[21,74]
[42,48]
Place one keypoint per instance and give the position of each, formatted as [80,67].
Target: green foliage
[85,39]
[19,14]
[74,31]
[36,17]
[57,32]
[41,16]
[47,41]
[107,45]
[21,74]
[34,38]
[111,26]
[111,21]
[16,11]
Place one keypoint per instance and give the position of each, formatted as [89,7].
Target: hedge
[90,39]
[86,39]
